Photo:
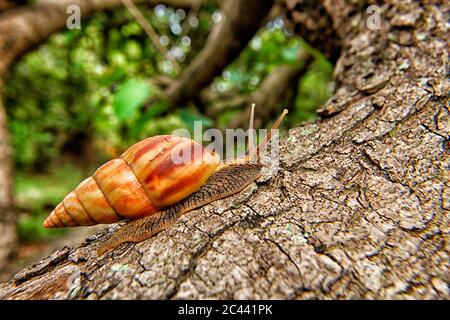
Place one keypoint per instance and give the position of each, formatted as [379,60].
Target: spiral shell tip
[47,224]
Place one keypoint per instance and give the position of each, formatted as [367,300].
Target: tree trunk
[8,236]
[359,208]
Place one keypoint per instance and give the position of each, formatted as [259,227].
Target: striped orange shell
[142,180]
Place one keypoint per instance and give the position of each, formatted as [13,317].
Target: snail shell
[139,183]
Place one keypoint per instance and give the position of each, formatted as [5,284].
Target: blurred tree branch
[24,28]
[8,4]
[154,37]
[273,90]
[193,12]
[225,42]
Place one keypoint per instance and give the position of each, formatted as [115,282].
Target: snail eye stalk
[251,140]
[268,136]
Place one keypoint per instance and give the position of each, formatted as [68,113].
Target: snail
[146,186]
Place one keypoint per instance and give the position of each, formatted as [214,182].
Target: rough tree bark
[359,208]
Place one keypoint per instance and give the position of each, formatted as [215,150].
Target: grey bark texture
[359,208]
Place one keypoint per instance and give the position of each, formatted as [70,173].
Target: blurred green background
[74,102]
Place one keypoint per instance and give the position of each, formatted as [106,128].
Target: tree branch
[24,28]
[314,21]
[154,37]
[267,97]
[9,4]
[224,44]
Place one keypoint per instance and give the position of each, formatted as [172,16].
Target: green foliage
[270,48]
[130,97]
[314,90]
[38,194]
[290,54]
[189,118]
[90,83]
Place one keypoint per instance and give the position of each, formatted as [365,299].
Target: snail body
[145,185]
[139,183]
